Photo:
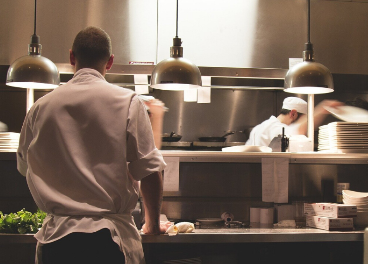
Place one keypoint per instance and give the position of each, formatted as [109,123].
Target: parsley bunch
[21,222]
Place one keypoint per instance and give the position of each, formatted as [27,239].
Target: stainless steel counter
[231,235]
[257,235]
[252,157]
[256,157]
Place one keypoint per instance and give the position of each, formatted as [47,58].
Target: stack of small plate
[9,141]
[343,137]
[360,199]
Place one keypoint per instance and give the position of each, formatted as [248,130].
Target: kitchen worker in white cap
[293,117]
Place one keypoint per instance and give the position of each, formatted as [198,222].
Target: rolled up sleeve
[143,156]
[25,139]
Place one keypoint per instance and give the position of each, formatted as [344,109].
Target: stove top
[196,144]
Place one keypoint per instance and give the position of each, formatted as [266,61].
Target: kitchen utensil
[172,137]
[349,113]
[216,139]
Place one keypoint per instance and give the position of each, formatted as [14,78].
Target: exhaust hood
[221,77]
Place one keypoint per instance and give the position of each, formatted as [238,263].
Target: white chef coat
[262,134]
[76,147]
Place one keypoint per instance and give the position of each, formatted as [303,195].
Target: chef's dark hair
[287,111]
[284,111]
[92,47]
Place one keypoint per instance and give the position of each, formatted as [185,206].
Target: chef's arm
[156,114]
[157,123]
[151,190]
[320,113]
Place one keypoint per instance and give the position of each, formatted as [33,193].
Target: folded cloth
[185,227]
[182,227]
[172,230]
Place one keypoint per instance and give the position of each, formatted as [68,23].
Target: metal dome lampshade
[309,77]
[33,71]
[176,73]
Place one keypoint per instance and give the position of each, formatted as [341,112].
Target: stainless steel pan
[171,137]
[216,139]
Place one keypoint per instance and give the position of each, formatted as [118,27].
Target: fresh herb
[21,222]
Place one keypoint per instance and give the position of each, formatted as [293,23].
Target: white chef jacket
[76,147]
[262,134]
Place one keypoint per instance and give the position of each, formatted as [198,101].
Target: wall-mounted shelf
[252,157]
[256,157]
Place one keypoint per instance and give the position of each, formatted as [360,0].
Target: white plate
[349,123]
[354,194]
[247,148]
[339,150]
[349,113]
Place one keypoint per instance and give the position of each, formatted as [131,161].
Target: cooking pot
[216,139]
[170,137]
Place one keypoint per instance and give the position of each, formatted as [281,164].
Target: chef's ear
[71,57]
[293,113]
[110,62]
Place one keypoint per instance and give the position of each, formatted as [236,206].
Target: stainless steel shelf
[252,157]
[256,157]
[231,235]
[221,77]
[257,235]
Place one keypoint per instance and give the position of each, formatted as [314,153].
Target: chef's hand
[164,225]
[321,110]
[156,108]
[156,115]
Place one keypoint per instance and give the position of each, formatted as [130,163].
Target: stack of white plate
[9,141]
[360,199]
[343,137]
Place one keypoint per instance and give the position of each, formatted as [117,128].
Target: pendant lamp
[309,77]
[33,71]
[176,73]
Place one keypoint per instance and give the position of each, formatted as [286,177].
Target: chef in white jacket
[83,148]
[293,118]
[292,109]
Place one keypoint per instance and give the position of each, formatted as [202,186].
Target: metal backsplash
[232,33]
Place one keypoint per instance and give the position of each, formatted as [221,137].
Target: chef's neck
[101,70]
[285,119]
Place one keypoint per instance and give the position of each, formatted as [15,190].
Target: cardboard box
[333,210]
[330,224]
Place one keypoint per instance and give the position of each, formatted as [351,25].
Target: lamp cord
[308,8]
[177,14]
[35,17]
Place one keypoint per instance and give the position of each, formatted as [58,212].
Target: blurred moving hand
[156,110]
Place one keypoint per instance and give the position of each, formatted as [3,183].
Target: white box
[266,215]
[330,224]
[255,214]
[333,210]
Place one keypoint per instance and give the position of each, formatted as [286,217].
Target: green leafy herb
[21,222]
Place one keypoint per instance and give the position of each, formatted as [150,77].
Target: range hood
[221,77]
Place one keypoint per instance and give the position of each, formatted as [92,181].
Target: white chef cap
[296,103]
